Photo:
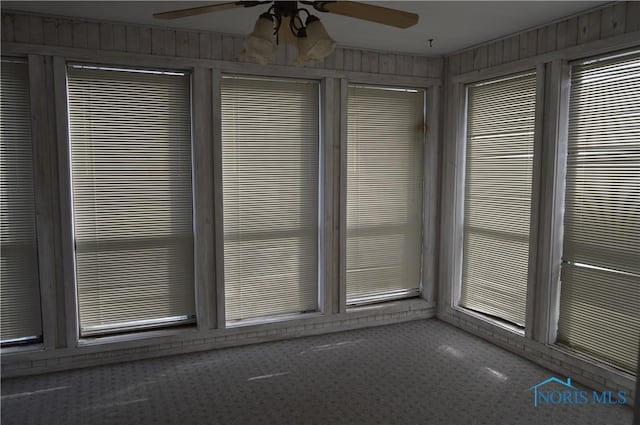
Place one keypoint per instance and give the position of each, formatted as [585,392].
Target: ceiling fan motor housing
[285,8]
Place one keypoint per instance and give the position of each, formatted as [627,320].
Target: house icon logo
[537,391]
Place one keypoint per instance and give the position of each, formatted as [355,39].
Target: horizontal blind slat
[19,282]
[384,191]
[499,166]
[600,295]
[131,171]
[270,136]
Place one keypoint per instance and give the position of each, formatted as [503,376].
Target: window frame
[70,314]
[430,188]
[426,279]
[534,189]
[555,128]
[564,69]
[550,156]
[38,227]
[137,326]
[322,254]
[455,176]
[50,117]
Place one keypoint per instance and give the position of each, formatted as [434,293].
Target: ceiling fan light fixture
[317,44]
[282,24]
[303,45]
[260,43]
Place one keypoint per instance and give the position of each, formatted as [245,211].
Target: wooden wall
[50,42]
[600,24]
[131,38]
[548,50]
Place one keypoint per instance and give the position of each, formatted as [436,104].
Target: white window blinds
[384,193]
[19,287]
[498,177]
[600,292]
[270,196]
[132,200]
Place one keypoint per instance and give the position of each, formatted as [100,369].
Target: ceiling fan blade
[368,12]
[218,7]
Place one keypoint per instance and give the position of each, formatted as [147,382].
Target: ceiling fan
[283,22]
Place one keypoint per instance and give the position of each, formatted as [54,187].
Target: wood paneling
[609,21]
[510,49]
[419,66]
[50,29]
[163,42]
[387,63]
[366,61]
[131,38]
[138,39]
[494,53]
[228,49]
[65,32]
[528,44]
[21,28]
[93,36]
[112,37]
[567,33]
[403,64]
[7,27]
[79,35]
[632,16]
[547,37]
[435,67]
[36,32]
[612,20]
[480,57]
[466,61]
[589,27]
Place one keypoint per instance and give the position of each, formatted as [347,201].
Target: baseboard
[149,345]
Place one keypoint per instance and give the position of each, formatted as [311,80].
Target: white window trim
[551,138]
[452,222]
[60,328]
[559,137]
[430,194]
[325,96]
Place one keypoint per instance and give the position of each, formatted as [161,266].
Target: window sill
[24,348]
[488,320]
[272,319]
[392,306]
[592,364]
[178,331]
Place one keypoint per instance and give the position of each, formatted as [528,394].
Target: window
[600,291]
[384,193]
[497,197]
[19,284]
[270,196]
[130,137]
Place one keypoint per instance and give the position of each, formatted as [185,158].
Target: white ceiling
[453,25]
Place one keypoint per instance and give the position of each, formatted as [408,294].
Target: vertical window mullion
[537,202]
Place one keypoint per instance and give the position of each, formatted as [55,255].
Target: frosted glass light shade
[318,44]
[259,43]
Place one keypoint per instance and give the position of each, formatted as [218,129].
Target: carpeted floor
[424,372]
